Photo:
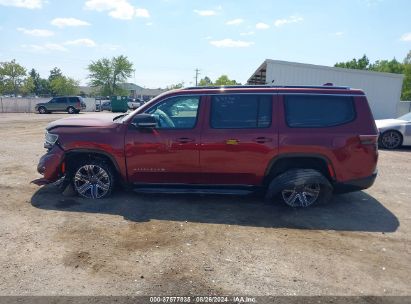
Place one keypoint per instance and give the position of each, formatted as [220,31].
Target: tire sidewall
[287,180]
[42,110]
[100,164]
[390,148]
[71,110]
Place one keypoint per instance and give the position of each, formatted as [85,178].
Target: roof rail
[326,87]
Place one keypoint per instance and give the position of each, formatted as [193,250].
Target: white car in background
[394,133]
[134,104]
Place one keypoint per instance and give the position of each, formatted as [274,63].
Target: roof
[259,76]
[325,89]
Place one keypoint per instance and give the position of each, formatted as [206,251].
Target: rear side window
[73,99]
[240,111]
[318,111]
[61,100]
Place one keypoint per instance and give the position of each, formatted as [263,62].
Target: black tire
[42,110]
[71,110]
[390,140]
[89,177]
[300,188]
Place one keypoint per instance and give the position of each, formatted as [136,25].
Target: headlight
[50,140]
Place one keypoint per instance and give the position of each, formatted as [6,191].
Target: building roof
[259,76]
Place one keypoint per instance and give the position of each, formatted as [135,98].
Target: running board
[194,190]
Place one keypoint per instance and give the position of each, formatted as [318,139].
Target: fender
[95,151]
[273,161]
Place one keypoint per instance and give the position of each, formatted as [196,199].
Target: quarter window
[314,111]
[176,112]
[241,111]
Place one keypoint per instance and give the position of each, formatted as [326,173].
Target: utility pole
[197,73]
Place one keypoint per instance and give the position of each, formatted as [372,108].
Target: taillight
[368,139]
[78,104]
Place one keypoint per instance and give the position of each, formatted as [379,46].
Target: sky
[168,39]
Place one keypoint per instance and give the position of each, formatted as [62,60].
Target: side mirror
[144,121]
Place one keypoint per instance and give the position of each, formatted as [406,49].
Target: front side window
[318,111]
[240,111]
[176,112]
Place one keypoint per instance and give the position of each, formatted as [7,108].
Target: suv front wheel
[93,179]
[300,188]
[42,110]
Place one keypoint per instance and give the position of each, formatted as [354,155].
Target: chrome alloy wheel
[301,196]
[391,139]
[92,181]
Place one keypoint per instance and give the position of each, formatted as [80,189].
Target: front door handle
[232,141]
[262,140]
[184,140]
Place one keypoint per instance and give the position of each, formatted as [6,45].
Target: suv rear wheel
[300,188]
[71,110]
[93,179]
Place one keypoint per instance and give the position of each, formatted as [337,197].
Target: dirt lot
[133,244]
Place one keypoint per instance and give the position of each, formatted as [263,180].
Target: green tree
[45,88]
[223,80]
[175,86]
[205,82]
[36,81]
[406,86]
[388,66]
[27,86]
[107,74]
[54,73]
[360,64]
[12,75]
[63,85]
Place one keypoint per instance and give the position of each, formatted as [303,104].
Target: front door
[239,139]
[168,153]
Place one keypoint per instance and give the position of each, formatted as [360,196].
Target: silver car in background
[394,133]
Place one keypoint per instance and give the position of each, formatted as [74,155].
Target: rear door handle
[184,140]
[262,140]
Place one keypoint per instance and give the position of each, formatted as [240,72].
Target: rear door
[239,138]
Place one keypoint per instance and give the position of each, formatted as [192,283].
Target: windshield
[406,117]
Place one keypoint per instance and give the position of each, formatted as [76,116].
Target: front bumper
[355,185]
[50,164]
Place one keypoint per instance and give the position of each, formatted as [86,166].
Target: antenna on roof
[328,84]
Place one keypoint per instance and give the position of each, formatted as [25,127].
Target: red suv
[298,144]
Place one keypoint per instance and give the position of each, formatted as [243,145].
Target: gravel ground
[132,244]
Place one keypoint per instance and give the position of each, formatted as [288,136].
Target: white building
[383,89]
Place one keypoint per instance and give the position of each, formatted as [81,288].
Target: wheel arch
[76,155]
[282,163]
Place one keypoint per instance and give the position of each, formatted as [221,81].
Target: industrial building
[383,89]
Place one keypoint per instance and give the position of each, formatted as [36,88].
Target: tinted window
[73,99]
[313,111]
[176,112]
[61,100]
[241,111]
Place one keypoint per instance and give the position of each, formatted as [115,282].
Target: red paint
[202,155]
